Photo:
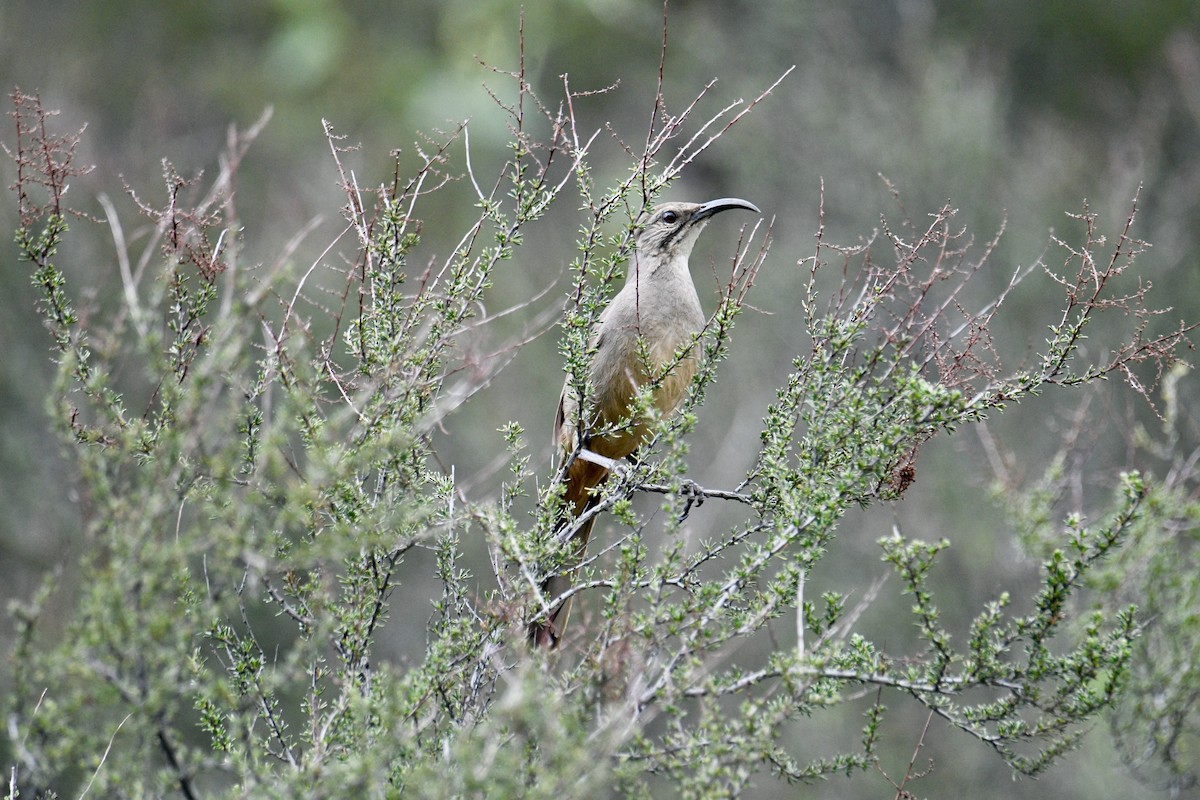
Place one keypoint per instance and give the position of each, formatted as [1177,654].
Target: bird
[644,337]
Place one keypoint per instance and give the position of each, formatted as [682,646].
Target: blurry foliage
[255,516]
[1014,110]
[1119,45]
[1157,723]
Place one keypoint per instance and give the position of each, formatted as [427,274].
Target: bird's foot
[693,494]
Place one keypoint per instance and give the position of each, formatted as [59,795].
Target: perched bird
[658,306]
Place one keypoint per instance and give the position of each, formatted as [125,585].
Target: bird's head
[671,229]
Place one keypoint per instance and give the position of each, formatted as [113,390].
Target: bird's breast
[644,340]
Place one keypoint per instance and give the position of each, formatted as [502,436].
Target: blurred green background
[1013,110]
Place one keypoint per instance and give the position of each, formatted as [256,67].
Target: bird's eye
[670,217]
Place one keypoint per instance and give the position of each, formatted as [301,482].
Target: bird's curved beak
[723,204]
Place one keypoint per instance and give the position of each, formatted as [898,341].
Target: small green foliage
[268,481]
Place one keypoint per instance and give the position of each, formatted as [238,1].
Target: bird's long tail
[582,477]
